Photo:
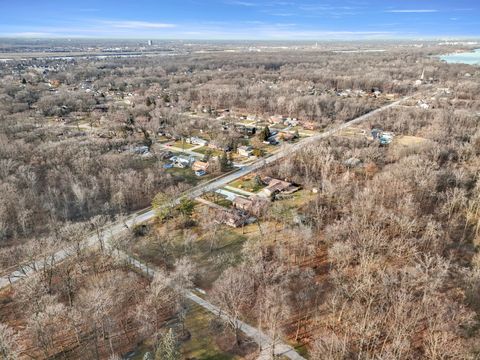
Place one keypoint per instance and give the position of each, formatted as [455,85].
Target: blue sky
[241,19]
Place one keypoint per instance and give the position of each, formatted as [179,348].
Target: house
[164,155]
[383,137]
[194,140]
[200,166]
[241,203]
[291,122]
[308,125]
[140,150]
[276,186]
[286,136]
[376,92]
[183,162]
[422,104]
[245,129]
[217,146]
[246,151]
[254,204]
[234,218]
[386,138]
[276,119]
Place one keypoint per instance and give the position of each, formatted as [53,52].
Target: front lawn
[183,145]
[247,183]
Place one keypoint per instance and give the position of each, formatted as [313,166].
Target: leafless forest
[377,258]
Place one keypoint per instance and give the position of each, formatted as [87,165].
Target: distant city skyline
[242,19]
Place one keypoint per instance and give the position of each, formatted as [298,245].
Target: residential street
[116,228]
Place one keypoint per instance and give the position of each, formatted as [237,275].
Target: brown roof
[278,185]
[200,165]
[232,217]
[242,202]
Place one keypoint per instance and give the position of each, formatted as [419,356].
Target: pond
[470,58]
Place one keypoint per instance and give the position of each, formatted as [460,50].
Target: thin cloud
[28,34]
[413,11]
[242,3]
[138,25]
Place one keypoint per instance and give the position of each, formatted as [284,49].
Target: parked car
[168,166]
[200,173]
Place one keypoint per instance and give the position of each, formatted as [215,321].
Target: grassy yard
[269,149]
[211,251]
[162,139]
[247,183]
[205,149]
[183,145]
[203,342]
[298,199]
[214,253]
[185,173]
[189,176]
[217,199]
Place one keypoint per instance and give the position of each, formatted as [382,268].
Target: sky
[241,19]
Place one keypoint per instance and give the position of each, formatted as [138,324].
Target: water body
[470,58]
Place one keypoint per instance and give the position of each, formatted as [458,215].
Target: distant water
[470,58]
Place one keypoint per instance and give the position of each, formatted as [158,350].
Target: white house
[183,161]
[194,140]
[246,151]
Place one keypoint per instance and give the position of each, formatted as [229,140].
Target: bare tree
[233,292]
[8,343]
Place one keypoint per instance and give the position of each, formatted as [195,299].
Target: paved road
[195,192]
[115,229]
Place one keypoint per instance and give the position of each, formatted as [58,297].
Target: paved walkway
[263,340]
[227,194]
[240,191]
[114,229]
[13,275]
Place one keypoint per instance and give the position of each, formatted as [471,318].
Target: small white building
[291,122]
[246,151]
[422,104]
[194,140]
[183,162]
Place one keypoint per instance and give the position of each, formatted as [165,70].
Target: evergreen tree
[162,204]
[186,207]
[207,156]
[265,134]
[224,165]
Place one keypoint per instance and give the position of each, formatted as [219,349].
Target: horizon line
[417,38]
